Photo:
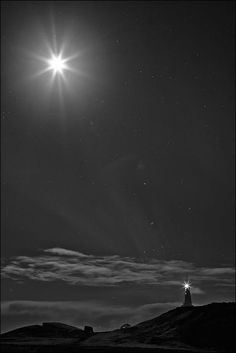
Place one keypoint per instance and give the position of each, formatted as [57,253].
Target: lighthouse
[187,295]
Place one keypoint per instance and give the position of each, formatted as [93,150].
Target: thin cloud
[218,271]
[75,268]
[65,252]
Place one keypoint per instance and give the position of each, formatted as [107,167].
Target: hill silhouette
[207,328]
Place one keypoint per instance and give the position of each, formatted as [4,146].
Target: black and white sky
[117,178]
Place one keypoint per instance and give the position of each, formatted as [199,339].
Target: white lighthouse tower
[187,295]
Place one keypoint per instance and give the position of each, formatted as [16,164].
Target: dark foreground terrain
[76,349]
[200,329]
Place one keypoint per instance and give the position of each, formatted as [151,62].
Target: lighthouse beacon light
[186,285]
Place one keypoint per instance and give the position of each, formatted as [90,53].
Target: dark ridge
[47,329]
[206,328]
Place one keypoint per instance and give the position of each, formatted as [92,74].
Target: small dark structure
[125,326]
[88,330]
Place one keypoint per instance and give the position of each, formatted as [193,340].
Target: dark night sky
[118,184]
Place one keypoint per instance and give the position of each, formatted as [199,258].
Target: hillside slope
[207,328]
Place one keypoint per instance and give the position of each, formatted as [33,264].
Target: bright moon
[57,64]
